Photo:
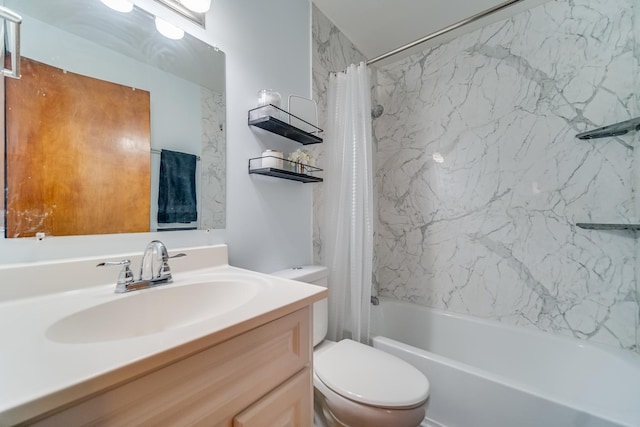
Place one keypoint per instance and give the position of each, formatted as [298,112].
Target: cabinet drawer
[290,405]
[208,388]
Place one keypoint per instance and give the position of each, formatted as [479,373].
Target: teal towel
[177,190]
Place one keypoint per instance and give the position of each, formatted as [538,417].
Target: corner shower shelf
[600,226]
[289,170]
[616,129]
[278,121]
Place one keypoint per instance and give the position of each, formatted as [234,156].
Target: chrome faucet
[154,269]
[155,266]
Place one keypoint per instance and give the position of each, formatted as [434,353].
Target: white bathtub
[485,374]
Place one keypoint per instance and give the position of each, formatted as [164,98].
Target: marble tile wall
[213,160]
[636,171]
[332,52]
[481,180]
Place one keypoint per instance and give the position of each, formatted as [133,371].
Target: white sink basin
[151,311]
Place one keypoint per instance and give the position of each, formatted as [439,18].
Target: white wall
[267,45]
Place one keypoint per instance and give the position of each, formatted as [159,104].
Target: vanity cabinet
[261,377]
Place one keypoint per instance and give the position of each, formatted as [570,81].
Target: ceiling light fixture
[169,30]
[119,5]
[198,6]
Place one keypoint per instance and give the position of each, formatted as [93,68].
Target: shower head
[377,111]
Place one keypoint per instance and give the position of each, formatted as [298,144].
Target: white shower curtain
[348,237]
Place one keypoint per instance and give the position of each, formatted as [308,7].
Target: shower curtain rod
[445,30]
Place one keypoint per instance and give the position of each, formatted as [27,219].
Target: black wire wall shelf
[285,169]
[616,129]
[278,121]
[608,226]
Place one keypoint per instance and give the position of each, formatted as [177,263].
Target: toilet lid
[368,375]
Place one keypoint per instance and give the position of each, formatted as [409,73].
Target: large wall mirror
[127,79]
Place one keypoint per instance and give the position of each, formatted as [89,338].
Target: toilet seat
[329,405]
[370,376]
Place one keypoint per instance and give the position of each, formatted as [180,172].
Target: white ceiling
[379,26]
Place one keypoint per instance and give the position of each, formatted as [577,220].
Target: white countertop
[38,374]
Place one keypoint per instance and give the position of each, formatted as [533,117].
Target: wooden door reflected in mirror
[66,129]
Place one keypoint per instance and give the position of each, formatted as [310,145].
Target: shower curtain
[349,204]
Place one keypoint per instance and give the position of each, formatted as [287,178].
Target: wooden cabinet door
[290,405]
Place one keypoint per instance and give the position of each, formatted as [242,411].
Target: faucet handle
[125,277]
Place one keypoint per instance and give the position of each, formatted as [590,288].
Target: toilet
[355,384]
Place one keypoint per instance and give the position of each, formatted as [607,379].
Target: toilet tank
[315,275]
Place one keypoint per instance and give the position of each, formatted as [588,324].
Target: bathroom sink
[152,311]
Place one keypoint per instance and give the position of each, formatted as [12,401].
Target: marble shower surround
[481,180]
